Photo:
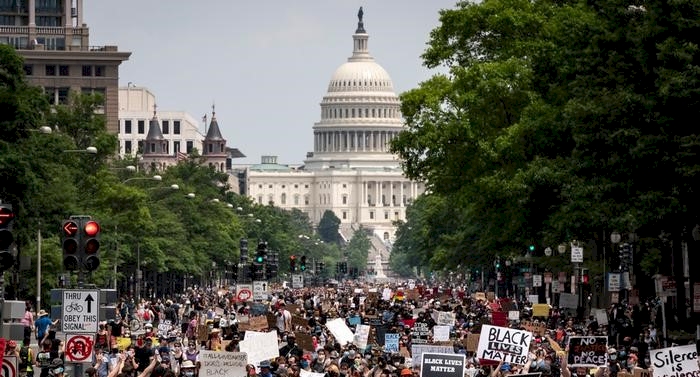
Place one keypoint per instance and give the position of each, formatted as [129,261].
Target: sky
[264,64]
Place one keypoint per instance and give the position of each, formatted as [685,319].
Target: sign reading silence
[675,361]
[504,344]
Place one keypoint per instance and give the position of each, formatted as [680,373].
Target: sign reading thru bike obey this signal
[80,311]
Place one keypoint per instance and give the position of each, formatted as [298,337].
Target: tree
[358,248]
[328,227]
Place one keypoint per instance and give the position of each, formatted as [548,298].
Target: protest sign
[254,324]
[540,310]
[259,346]
[514,315]
[536,327]
[391,342]
[471,342]
[340,331]
[445,318]
[441,333]
[420,332]
[304,373]
[361,336]
[215,364]
[588,351]
[417,351]
[639,372]
[675,361]
[568,300]
[504,344]
[304,341]
[601,315]
[442,365]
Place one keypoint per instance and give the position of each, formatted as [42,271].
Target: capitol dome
[361,76]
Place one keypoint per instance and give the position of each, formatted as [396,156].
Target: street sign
[297,281]
[244,292]
[696,297]
[576,254]
[614,282]
[80,311]
[79,348]
[260,290]
[668,286]
[9,366]
[555,286]
[536,280]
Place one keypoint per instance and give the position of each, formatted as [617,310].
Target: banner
[504,344]
[675,361]
[588,351]
[222,363]
[442,365]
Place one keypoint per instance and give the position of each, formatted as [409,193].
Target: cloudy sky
[265,64]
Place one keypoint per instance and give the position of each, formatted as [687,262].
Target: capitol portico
[350,171]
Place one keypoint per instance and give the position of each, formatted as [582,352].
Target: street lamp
[91,150]
[190,195]
[154,178]
[561,248]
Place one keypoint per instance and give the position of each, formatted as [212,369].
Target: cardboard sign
[304,341]
[588,351]
[667,362]
[480,296]
[441,333]
[298,321]
[601,315]
[442,365]
[504,344]
[537,328]
[445,318]
[340,331]
[254,324]
[567,300]
[215,364]
[471,342]
[639,372]
[540,310]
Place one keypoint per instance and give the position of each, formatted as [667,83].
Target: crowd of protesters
[171,332]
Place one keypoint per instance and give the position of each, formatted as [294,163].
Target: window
[306,200]
[127,126]
[296,200]
[345,199]
[190,146]
[386,215]
[63,95]
[176,127]
[166,127]
[127,146]
[100,71]
[87,70]
[296,186]
[369,199]
[396,216]
[284,186]
[64,70]
[371,215]
[176,147]
[283,199]
[50,70]
[28,69]
[153,147]
[345,215]
[269,186]
[259,199]
[270,200]
[141,126]
[211,147]
[259,186]
[306,186]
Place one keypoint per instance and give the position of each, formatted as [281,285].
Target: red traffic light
[6,215]
[91,228]
[70,228]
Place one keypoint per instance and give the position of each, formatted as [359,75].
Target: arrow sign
[88,301]
[70,228]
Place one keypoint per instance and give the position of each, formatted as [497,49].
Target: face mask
[321,357]
[346,353]
[647,361]
[623,354]
[189,373]
[304,364]
[613,357]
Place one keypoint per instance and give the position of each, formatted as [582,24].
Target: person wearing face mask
[321,362]
[291,348]
[188,369]
[265,370]
[613,366]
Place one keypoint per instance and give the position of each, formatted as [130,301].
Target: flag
[181,156]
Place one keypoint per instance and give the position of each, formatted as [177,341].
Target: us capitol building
[350,170]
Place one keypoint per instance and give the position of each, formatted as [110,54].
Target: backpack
[23,357]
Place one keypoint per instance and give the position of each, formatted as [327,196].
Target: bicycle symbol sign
[80,311]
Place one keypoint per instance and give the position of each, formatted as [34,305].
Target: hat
[505,367]
[334,354]
[406,372]
[42,313]
[149,325]
[351,354]
[612,350]
[264,364]
[187,364]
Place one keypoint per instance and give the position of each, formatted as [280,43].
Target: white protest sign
[675,361]
[441,333]
[305,373]
[445,318]
[259,346]
[361,336]
[601,316]
[386,294]
[504,344]
[215,364]
[341,332]
[417,351]
[513,315]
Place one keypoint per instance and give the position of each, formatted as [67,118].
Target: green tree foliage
[556,120]
[357,249]
[328,227]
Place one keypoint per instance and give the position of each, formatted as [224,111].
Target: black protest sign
[588,351]
[442,365]
[420,333]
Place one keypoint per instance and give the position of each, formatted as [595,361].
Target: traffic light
[261,253]
[531,248]
[70,243]
[7,239]
[302,265]
[625,256]
[244,250]
[91,245]
[293,263]
[320,266]
[497,263]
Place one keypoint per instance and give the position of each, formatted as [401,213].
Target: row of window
[64,70]
[370,83]
[336,113]
[141,127]
[59,96]
[128,147]
[285,186]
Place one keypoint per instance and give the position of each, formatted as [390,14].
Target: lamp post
[153,178]
[90,150]
[615,238]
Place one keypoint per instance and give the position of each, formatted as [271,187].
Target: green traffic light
[532,247]
[259,259]
[303,267]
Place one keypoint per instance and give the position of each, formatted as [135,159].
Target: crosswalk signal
[302,265]
[7,239]
[70,243]
[293,263]
[91,245]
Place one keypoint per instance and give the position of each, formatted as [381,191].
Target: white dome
[356,76]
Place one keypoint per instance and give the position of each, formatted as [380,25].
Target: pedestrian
[28,320]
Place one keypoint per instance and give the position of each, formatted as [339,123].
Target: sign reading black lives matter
[588,351]
[442,365]
[504,344]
